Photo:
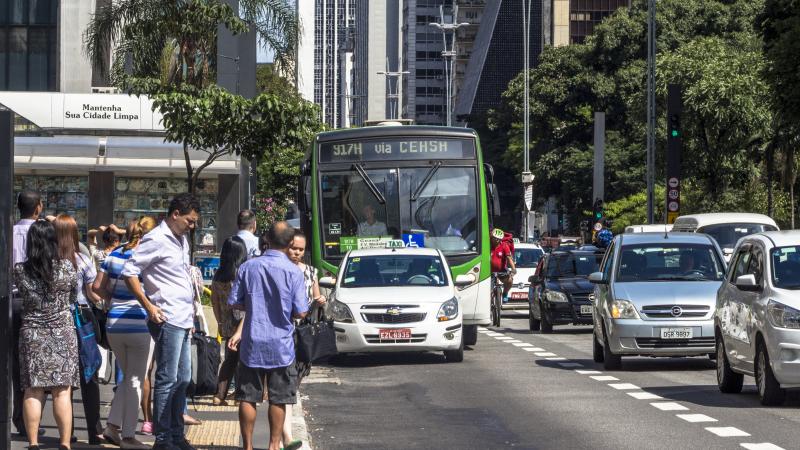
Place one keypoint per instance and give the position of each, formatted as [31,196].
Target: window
[572,264]
[678,262]
[394,270]
[28,45]
[608,262]
[742,263]
[786,267]
[527,257]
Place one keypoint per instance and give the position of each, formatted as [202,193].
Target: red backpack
[508,239]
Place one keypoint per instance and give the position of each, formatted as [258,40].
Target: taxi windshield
[527,258]
[394,270]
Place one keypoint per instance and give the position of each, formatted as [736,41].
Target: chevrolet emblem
[393,311]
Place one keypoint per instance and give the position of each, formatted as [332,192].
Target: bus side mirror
[327,282]
[494,199]
[464,280]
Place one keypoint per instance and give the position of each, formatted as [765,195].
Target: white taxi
[526,259]
[394,300]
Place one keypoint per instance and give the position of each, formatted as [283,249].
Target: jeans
[172,377]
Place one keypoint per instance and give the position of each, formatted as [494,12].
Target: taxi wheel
[769,389]
[470,333]
[728,381]
[547,326]
[597,348]
[610,360]
[533,322]
[452,356]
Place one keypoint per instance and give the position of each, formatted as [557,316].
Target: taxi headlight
[340,312]
[556,297]
[448,310]
[623,309]
[783,316]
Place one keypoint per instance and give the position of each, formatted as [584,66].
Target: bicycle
[497,296]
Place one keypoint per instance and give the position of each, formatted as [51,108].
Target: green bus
[426,186]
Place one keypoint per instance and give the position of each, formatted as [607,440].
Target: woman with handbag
[68,240]
[48,343]
[233,254]
[129,339]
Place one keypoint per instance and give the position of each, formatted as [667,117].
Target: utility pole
[651,109]
[394,94]
[7,353]
[527,176]
[449,53]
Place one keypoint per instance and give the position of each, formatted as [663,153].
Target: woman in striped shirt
[129,339]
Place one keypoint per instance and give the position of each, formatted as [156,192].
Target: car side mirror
[534,279]
[464,280]
[747,283]
[597,278]
[327,282]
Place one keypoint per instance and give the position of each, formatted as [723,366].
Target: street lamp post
[449,54]
[393,95]
[527,176]
[651,108]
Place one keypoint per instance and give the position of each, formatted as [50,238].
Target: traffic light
[674,126]
[597,210]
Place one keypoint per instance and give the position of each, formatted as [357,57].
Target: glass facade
[584,15]
[28,45]
[60,195]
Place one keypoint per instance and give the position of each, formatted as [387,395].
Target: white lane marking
[503,338]
[604,378]
[556,358]
[522,344]
[644,396]
[570,364]
[669,406]
[514,341]
[482,329]
[727,431]
[533,349]
[588,372]
[696,418]
[762,446]
[493,333]
[544,354]
[623,386]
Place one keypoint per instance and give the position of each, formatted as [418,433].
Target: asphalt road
[517,389]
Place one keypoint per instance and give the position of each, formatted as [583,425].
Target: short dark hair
[280,235]
[110,237]
[184,204]
[27,202]
[263,244]
[245,219]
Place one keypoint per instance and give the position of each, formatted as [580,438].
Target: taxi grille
[389,318]
[675,343]
[375,339]
[665,311]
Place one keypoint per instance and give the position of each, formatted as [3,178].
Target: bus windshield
[432,206]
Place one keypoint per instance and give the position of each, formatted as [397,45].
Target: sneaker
[183,444]
[133,444]
[147,428]
[505,299]
[111,434]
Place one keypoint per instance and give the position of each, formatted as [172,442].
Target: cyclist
[503,259]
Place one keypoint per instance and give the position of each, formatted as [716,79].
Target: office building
[583,15]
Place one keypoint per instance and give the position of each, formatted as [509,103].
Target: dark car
[559,292]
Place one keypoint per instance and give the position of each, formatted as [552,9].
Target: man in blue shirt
[272,291]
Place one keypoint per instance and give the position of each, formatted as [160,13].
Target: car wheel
[610,360]
[533,322]
[597,348]
[470,334]
[728,381]
[452,356]
[546,325]
[769,389]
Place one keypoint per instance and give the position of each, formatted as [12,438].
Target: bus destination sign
[396,149]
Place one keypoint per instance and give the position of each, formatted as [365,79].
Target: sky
[264,55]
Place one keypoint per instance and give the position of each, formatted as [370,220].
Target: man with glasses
[158,276]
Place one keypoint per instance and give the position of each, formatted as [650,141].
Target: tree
[779,27]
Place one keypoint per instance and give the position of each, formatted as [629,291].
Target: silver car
[655,295]
[757,320]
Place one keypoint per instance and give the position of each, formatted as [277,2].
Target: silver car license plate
[676,333]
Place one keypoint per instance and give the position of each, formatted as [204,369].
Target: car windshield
[786,267]
[728,234]
[674,262]
[527,258]
[394,270]
[567,265]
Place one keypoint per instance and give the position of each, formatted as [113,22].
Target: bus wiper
[426,180]
[372,187]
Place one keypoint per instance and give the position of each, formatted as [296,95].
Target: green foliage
[779,26]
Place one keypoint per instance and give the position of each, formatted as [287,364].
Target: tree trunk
[190,178]
[770,179]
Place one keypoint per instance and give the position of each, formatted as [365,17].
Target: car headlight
[340,312]
[623,309]
[448,310]
[556,297]
[783,316]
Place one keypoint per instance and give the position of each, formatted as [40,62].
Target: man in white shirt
[162,262]
[246,221]
[371,226]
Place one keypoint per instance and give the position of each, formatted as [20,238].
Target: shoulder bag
[315,340]
[88,350]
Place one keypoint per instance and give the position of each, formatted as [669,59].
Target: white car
[395,300]
[526,258]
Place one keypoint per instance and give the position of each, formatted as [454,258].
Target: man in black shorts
[272,291]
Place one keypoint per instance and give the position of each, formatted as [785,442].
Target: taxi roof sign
[395,243]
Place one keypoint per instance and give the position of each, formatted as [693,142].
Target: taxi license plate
[395,333]
[586,309]
[519,296]
[676,333]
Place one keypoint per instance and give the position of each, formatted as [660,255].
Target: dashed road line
[514,341]
[604,378]
[522,344]
[696,418]
[727,431]
[544,354]
[761,446]
[533,349]
[669,406]
[645,396]
[556,358]
[624,386]
[588,372]
[503,338]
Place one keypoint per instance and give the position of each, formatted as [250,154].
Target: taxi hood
[395,294]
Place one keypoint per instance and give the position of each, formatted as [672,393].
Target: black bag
[315,340]
[100,321]
[205,367]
